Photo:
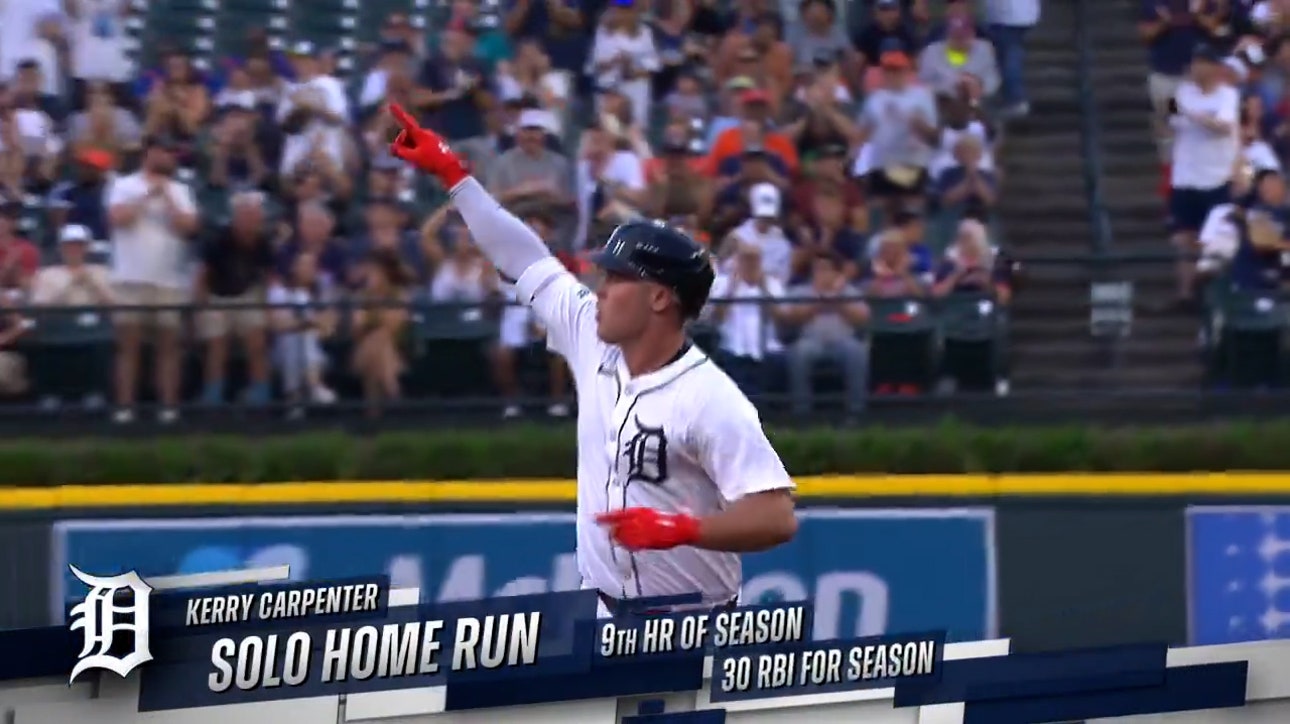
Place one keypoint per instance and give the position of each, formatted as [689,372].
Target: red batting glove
[426,150]
[648,529]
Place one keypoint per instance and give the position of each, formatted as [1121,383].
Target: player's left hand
[648,529]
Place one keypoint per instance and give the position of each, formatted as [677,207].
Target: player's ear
[660,297]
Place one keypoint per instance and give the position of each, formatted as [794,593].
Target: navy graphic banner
[868,572]
[1238,571]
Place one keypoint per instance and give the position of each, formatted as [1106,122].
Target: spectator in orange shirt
[678,140]
[754,110]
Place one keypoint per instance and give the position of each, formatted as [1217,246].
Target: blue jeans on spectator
[850,352]
[1010,47]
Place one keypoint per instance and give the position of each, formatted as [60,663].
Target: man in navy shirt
[456,87]
[80,201]
[558,24]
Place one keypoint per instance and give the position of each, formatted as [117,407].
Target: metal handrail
[1090,135]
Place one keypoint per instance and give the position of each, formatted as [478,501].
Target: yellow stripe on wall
[562,491]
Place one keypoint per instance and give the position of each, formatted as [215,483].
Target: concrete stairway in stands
[1045,212]
[1162,352]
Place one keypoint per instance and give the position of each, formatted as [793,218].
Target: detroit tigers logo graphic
[646,453]
[100,617]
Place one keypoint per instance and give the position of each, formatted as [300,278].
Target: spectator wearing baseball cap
[899,125]
[763,229]
[73,281]
[531,176]
[80,199]
[754,129]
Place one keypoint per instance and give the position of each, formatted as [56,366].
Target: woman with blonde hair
[969,265]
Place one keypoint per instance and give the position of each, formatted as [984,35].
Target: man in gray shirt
[961,58]
[531,178]
[828,325]
[899,124]
[818,34]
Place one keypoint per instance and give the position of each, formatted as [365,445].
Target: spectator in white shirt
[74,282]
[1206,147]
[961,118]
[764,231]
[99,44]
[610,185]
[151,216]
[313,113]
[464,277]
[531,75]
[745,312]
[300,328]
[623,56]
[28,29]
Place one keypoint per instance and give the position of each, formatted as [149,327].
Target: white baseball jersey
[680,439]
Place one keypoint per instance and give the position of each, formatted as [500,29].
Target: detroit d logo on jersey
[646,453]
[115,631]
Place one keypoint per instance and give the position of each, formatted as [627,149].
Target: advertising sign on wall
[869,571]
[1238,573]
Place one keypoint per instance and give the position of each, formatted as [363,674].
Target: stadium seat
[968,318]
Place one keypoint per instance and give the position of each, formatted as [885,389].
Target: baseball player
[675,475]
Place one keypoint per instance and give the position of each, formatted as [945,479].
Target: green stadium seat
[1250,311]
[901,316]
[968,318]
[57,328]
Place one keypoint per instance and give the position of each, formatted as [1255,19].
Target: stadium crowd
[842,159]
[1218,86]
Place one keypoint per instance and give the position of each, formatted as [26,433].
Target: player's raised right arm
[561,304]
[507,242]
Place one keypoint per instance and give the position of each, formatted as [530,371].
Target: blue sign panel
[1238,569]
[869,572]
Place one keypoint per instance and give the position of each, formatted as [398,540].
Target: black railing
[1090,133]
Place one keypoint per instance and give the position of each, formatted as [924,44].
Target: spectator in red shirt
[827,172]
[19,258]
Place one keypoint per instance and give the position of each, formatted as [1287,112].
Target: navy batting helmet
[656,252]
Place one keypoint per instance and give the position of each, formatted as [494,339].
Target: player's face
[623,307]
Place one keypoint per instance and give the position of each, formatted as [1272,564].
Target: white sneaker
[511,412]
[123,416]
[1002,388]
[322,395]
[168,415]
[558,409]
